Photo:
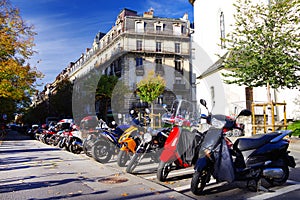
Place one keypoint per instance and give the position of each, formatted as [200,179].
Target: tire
[199,181]
[55,140]
[122,159]
[85,150]
[133,162]
[61,143]
[46,139]
[279,181]
[75,148]
[101,152]
[163,171]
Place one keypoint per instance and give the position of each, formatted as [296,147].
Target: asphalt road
[32,170]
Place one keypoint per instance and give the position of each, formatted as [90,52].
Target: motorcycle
[183,140]
[75,141]
[89,133]
[106,143]
[151,144]
[131,136]
[247,159]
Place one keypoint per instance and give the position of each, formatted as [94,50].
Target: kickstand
[262,188]
[257,186]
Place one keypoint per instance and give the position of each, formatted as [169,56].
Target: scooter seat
[244,144]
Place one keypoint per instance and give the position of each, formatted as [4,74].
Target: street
[33,170]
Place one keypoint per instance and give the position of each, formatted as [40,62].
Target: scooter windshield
[211,140]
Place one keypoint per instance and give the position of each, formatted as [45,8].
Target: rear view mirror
[245,112]
[165,107]
[203,102]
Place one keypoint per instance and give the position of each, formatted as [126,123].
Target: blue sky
[66,28]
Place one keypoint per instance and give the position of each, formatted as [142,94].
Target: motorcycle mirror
[203,102]
[147,110]
[165,107]
[113,123]
[245,112]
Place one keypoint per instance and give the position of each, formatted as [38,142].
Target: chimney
[149,14]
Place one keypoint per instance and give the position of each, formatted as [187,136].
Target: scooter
[183,140]
[247,159]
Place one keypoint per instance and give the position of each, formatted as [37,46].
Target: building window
[158,46]
[177,47]
[158,61]
[139,27]
[139,45]
[178,66]
[139,61]
[158,27]
[177,29]
[222,30]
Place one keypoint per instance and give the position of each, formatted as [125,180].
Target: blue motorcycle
[106,144]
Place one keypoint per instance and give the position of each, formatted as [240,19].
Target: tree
[60,103]
[17,78]
[264,45]
[150,87]
[104,93]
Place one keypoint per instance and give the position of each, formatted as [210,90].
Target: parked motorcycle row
[180,143]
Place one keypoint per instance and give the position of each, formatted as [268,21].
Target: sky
[66,28]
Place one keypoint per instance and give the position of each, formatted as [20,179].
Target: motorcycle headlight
[217,123]
[147,137]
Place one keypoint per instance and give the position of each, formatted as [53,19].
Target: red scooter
[180,146]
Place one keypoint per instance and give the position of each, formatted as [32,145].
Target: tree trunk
[269,111]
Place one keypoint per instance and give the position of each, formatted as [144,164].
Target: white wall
[206,44]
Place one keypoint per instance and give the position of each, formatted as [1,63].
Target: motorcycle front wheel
[86,150]
[199,181]
[133,162]
[101,152]
[163,171]
[123,157]
[74,148]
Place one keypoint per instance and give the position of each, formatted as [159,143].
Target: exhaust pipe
[273,173]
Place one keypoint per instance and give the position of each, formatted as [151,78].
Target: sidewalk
[33,170]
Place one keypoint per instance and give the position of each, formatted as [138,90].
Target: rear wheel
[163,171]
[123,157]
[199,181]
[101,151]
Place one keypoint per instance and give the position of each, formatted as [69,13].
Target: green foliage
[104,94]
[295,127]
[17,78]
[264,45]
[151,87]
[106,86]
[60,103]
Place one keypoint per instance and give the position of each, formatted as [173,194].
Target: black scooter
[248,159]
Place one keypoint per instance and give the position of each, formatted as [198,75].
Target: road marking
[173,173]
[212,183]
[295,186]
